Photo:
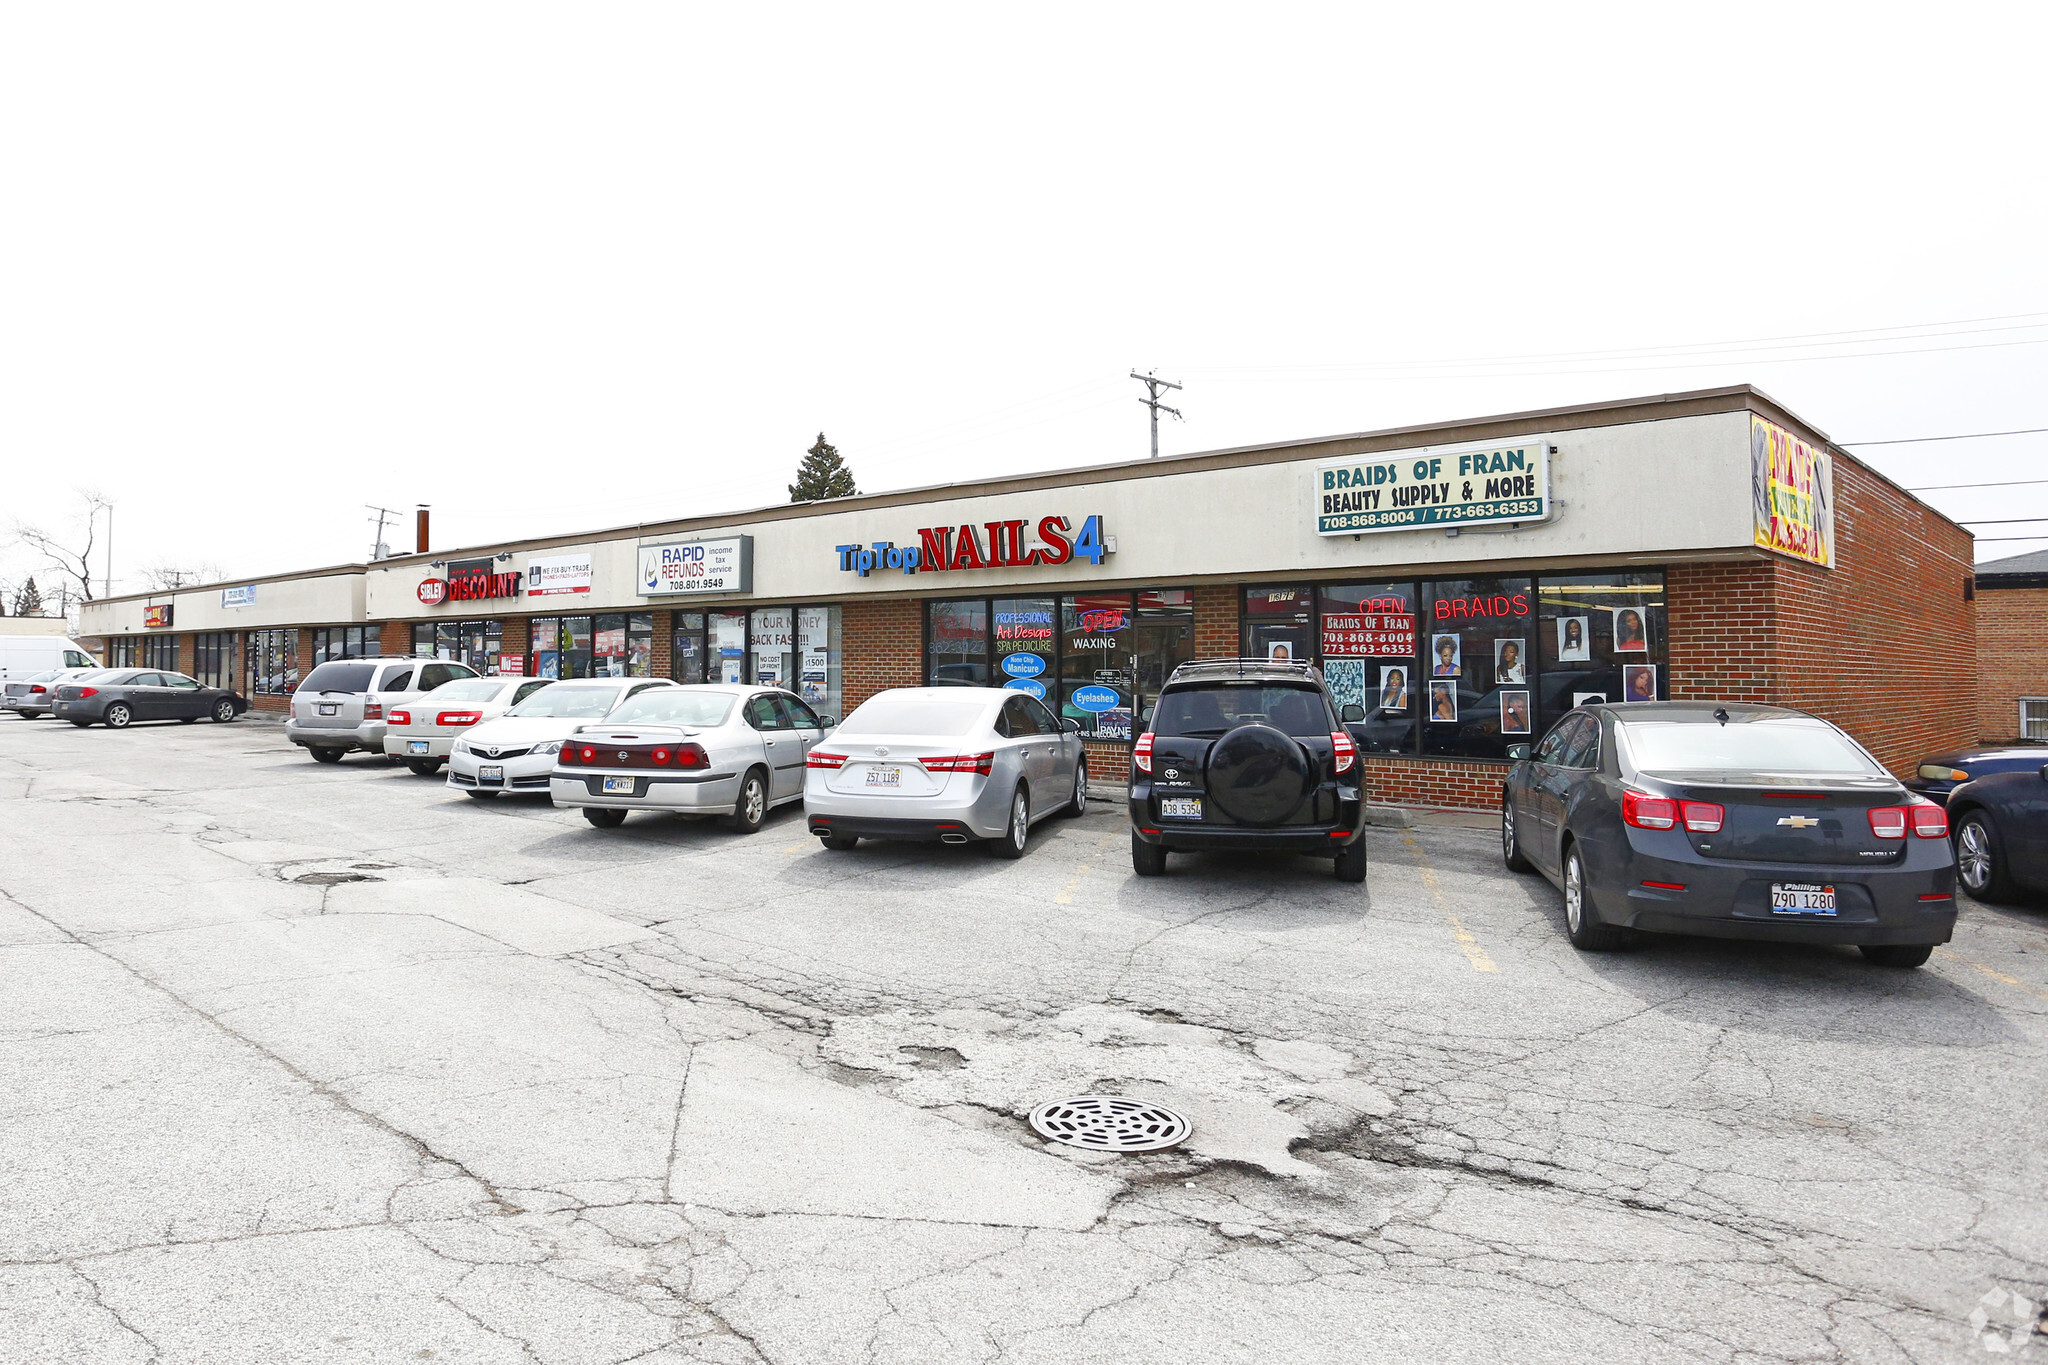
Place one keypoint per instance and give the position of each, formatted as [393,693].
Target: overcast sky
[568,267]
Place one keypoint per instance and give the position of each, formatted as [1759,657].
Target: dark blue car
[1729,821]
[2001,832]
[1943,773]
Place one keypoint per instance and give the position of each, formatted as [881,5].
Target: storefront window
[1366,643]
[1602,638]
[547,646]
[1477,635]
[818,659]
[1022,630]
[771,640]
[728,635]
[160,651]
[686,650]
[1097,650]
[347,642]
[623,645]
[958,647]
[273,662]
[213,658]
[476,643]
[123,652]
[1164,640]
[1279,623]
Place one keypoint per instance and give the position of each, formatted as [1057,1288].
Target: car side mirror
[2044,772]
[1518,751]
[1073,727]
[1352,713]
[828,722]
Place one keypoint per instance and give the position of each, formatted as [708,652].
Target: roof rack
[1242,667]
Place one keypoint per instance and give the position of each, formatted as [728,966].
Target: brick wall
[1216,622]
[2012,657]
[881,646]
[395,637]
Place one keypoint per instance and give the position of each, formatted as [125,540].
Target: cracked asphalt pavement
[310,1063]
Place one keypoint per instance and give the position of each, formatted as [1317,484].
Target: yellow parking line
[1066,893]
[1467,944]
[1994,974]
[798,848]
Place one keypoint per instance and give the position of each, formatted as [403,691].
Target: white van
[22,656]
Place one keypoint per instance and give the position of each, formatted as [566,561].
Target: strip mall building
[1465,583]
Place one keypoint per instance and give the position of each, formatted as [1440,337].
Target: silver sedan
[946,764]
[699,749]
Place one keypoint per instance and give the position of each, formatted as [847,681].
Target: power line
[2002,483]
[1966,436]
[1982,540]
[1999,521]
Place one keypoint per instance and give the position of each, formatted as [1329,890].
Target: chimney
[420,530]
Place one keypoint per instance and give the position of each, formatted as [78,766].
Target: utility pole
[384,514]
[106,579]
[1153,384]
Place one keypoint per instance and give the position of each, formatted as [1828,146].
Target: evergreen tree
[822,475]
[28,601]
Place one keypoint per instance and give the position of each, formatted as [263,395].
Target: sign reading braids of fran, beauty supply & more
[1437,489]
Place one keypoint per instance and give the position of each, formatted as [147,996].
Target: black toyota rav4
[1247,754]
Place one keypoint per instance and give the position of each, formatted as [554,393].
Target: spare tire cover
[1259,775]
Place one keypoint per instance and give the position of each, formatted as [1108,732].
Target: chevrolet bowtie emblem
[623,755]
[1797,821]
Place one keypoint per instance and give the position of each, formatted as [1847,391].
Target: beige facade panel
[334,599]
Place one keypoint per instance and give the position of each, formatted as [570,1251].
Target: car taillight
[1648,812]
[661,755]
[568,755]
[38,688]
[1929,820]
[1347,752]
[401,717]
[1937,772]
[820,758]
[1702,817]
[1888,822]
[692,756]
[1141,753]
[960,763]
[373,710]
[589,755]
[453,718]
[85,692]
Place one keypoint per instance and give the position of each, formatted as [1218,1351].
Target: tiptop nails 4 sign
[1438,489]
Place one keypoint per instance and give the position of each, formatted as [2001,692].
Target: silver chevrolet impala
[698,749]
[946,764]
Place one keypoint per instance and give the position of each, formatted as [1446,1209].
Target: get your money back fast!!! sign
[1473,486]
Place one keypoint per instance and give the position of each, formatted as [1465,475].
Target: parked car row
[118,697]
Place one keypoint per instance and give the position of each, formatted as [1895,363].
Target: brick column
[662,662]
[395,637]
[880,647]
[1217,630]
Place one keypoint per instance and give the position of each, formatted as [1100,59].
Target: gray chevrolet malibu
[949,765]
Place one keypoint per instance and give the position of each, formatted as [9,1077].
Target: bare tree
[57,549]
[164,576]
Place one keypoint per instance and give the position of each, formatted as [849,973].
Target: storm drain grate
[1110,1123]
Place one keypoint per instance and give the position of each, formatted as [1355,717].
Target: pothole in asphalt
[934,1058]
[333,878]
[1109,1123]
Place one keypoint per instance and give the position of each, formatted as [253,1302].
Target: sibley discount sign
[1468,486]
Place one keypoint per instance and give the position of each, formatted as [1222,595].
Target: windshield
[914,716]
[675,706]
[339,677]
[1770,746]
[46,675]
[1214,709]
[469,689]
[568,703]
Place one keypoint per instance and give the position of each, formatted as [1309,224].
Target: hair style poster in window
[1583,698]
[1508,666]
[1393,689]
[1574,639]
[1443,702]
[1346,678]
[1630,635]
[1280,652]
[1514,713]
[1639,682]
[1445,652]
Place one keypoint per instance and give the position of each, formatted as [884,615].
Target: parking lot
[329,1063]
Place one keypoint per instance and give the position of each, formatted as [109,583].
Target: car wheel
[425,767]
[118,715]
[1980,859]
[1078,806]
[223,712]
[752,807]
[325,755]
[840,843]
[477,795]
[1896,954]
[1147,860]
[604,819]
[1510,843]
[1581,921]
[1017,833]
[1351,862]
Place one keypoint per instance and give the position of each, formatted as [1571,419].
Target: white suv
[341,704]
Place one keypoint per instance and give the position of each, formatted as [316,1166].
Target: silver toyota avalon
[698,749]
[945,764]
